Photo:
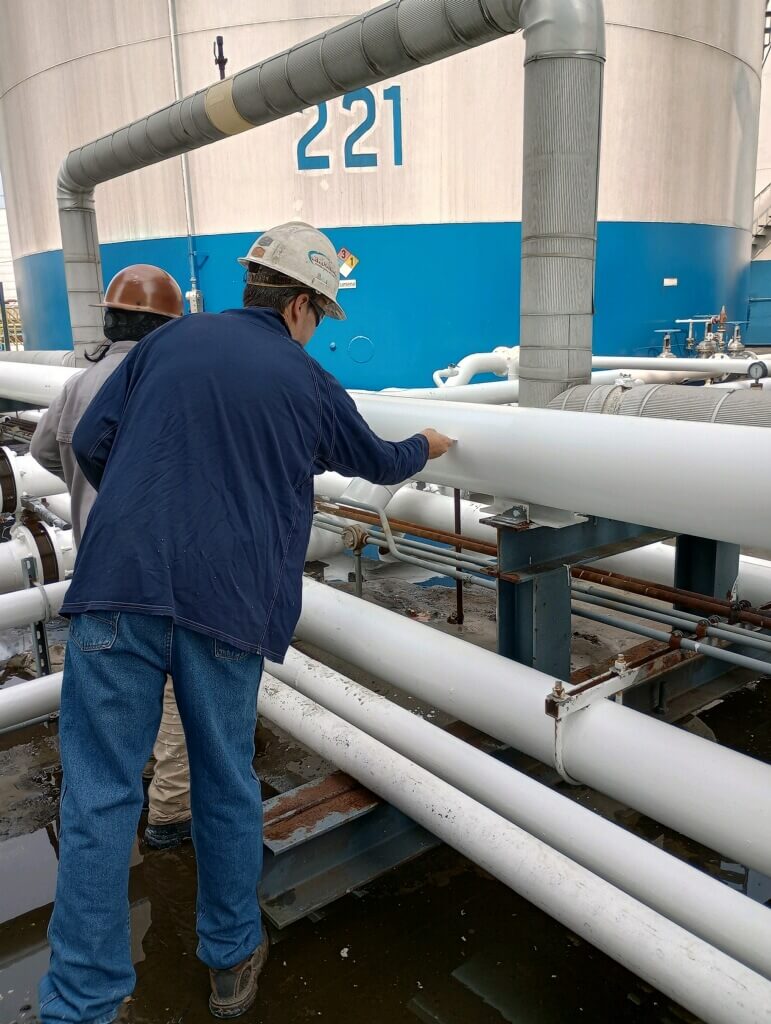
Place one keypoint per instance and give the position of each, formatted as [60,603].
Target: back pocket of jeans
[228,652]
[94,631]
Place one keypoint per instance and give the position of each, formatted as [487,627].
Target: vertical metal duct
[564,61]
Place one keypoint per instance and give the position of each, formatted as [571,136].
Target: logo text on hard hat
[257,251]
[320,260]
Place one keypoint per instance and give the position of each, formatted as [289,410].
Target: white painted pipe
[30,701]
[708,792]
[688,970]
[721,916]
[32,481]
[33,383]
[491,393]
[48,357]
[637,470]
[468,367]
[716,366]
[35,604]
[60,505]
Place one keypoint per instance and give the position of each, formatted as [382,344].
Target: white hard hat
[304,254]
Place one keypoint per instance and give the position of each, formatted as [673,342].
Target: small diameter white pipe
[577,461]
[478,362]
[721,916]
[30,701]
[708,792]
[716,366]
[60,505]
[35,604]
[699,977]
[492,393]
[33,383]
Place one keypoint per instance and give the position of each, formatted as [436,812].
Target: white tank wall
[682,89]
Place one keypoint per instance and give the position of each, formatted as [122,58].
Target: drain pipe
[708,792]
[699,977]
[564,63]
[389,40]
[721,916]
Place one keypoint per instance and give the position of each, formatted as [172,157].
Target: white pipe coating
[31,479]
[33,383]
[60,505]
[688,970]
[478,362]
[574,461]
[499,392]
[35,604]
[29,701]
[716,366]
[715,795]
[683,966]
[721,916]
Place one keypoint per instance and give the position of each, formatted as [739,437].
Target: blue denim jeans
[112,696]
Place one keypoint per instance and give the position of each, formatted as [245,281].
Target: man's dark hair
[126,325]
[270,289]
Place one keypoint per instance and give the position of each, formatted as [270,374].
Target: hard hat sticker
[347,261]
[320,260]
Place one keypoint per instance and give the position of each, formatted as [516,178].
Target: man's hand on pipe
[438,443]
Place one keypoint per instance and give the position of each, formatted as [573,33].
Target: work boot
[167,837]
[235,990]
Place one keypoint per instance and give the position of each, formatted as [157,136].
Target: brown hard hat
[144,289]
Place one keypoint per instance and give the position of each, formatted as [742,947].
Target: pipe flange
[8,487]
[49,558]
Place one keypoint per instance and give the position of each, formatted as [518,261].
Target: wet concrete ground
[436,941]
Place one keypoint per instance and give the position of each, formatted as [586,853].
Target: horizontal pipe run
[688,970]
[763,668]
[672,595]
[691,624]
[490,393]
[574,461]
[416,529]
[718,367]
[666,773]
[32,383]
[719,915]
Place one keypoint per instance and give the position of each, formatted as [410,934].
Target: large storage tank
[419,178]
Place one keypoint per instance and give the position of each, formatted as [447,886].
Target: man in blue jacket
[203,446]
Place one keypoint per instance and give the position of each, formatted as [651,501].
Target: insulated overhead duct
[748,407]
[565,51]
[564,60]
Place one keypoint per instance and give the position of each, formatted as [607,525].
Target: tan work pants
[170,787]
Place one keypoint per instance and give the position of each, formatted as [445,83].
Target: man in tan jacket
[138,300]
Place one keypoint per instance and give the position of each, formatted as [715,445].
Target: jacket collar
[269,319]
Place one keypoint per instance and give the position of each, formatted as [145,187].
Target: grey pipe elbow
[563,27]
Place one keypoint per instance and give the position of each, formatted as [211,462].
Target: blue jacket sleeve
[348,445]
[95,433]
